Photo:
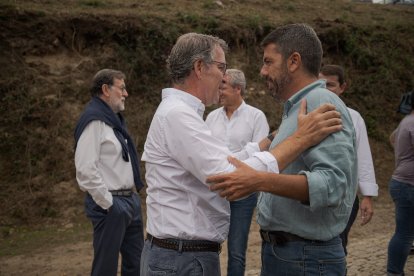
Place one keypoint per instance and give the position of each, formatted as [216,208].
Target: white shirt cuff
[263,161]
[368,189]
[252,148]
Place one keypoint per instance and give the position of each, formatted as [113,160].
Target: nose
[125,93]
[263,71]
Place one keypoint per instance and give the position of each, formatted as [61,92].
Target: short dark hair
[299,38]
[334,70]
[104,76]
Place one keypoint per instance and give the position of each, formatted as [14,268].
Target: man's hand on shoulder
[316,125]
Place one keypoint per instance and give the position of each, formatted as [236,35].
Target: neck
[298,83]
[231,108]
[190,88]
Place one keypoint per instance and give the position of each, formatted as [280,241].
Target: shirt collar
[189,99]
[238,109]
[298,96]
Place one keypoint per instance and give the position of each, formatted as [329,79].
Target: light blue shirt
[330,168]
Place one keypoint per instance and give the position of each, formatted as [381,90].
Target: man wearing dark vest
[107,169]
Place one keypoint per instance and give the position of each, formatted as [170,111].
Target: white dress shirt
[366,175]
[180,153]
[246,124]
[99,164]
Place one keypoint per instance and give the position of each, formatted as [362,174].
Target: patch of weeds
[21,240]
[290,7]
[92,3]
[208,5]
[210,24]
[188,18]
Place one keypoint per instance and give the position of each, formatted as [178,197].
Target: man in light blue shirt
[301,220]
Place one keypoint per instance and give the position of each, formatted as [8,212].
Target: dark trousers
[119,230]
[352,217]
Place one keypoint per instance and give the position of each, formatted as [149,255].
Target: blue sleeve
[332,163]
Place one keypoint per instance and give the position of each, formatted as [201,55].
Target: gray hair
[237,79]
[299,38]
[188,49]
[104,76]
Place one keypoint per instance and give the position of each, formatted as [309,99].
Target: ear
[238,89]
[105,90]
[294,62]
[343,87]
[198,68]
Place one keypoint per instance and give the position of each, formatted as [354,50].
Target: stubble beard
[277,86]
[117,106]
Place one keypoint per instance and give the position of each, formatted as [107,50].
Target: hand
[265,143]
[367,210]
[237,184]
[317,124]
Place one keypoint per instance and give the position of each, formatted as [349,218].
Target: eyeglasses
[220,65]
[122,88]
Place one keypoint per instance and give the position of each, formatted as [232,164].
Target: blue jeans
[399,247]
[304,258]
[119,230]
[157,261]
[240,220]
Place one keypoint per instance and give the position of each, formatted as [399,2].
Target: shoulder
[408,122]
[320,96]
[253,110]
[356,116]
[172,107]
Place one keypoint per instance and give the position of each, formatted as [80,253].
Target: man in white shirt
[335,82]
[236,124]
[186,222]
[107,168]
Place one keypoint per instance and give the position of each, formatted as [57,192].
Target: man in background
[107,169]
[236,124]
[335,82]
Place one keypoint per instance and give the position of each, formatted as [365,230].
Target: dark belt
[280,237]
[185,245]
[128,192]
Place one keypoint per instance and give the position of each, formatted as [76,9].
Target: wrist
[299,142]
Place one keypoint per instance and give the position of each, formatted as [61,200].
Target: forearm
[290,186]
[288,150]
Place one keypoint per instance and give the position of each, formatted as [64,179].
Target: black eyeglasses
[220,65]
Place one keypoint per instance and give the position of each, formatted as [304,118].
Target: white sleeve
[86,163]
[199,152]
[366,173]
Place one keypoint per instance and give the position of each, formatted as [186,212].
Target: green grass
[23,240]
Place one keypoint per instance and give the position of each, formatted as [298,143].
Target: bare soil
[367,251]
[367,244]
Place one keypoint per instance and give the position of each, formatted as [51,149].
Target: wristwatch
[271,136]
